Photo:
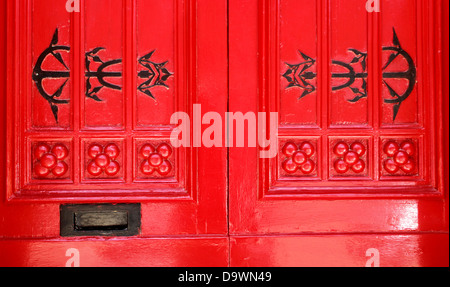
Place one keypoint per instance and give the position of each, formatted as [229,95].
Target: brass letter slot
[100,220]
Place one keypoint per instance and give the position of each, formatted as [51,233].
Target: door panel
[104,43]
[91,95]
[359,115]
[342,15]
[294,15]
[153,29]
[359,178]
[43,23]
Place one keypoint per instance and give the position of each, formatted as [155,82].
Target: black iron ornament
[100,74]
[410,75]
[39,75]
[300,76]
[156,74]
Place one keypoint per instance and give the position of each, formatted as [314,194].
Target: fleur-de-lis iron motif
[155,75]
[298,75]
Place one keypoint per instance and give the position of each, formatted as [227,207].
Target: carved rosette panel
[299,158]
[349,157]
[399,157]
[51,160]
[154,160]
[103,160]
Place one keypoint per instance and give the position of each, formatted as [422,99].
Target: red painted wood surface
[359,250]
[144,252]
[349,178]
[336,178]
[104,134]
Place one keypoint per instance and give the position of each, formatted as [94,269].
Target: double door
[224,133]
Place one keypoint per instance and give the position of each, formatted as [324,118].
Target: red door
[359,178]
[90,98]
[353,102]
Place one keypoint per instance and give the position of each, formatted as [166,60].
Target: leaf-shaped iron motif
[396,41]
[58,93]
[55,38]
[306,57]
[60,59]
[55,110]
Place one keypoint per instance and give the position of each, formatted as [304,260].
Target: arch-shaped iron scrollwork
[39,74]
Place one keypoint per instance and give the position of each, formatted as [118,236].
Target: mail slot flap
[100,220]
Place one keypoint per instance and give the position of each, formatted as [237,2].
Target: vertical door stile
[78,84]
[374,85]
[324,80]
[129,80]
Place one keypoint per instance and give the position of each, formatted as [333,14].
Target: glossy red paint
[143,252]
[352,186]
[362,250]
[357,197]
[184,207]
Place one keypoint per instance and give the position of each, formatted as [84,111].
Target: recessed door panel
[349,33]
[48,105]
[403,93]
[104,35]
[160,62]
[298,33]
